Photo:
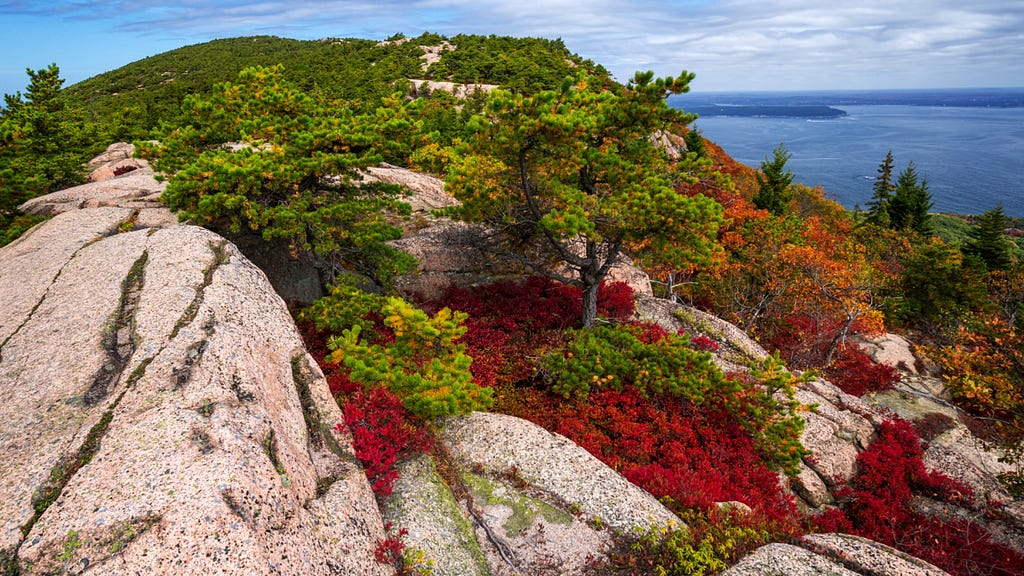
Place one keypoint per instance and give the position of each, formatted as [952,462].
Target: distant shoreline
[769,111]
[958,98]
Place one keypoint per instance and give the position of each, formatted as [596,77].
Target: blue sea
[968,143]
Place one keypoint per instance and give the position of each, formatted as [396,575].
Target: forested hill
[137,96]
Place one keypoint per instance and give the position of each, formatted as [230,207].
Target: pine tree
[773,182]
[909,206]
[296,176]
[987,240]
[878,207]
[695,143]
[44,143]
[573,175]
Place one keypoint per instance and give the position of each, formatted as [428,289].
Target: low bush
[855,373]
[382,433]
[877,504]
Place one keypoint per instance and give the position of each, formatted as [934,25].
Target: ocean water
[970,148]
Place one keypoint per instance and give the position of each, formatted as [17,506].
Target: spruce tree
[878,207]
[773,182]
[909,206]
[987,240]
[695,143]
[44,144]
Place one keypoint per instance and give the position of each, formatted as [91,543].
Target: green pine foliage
[911,202]
[133,99]
[773,183]
[422,364]
[987,240]
[573,172]
[260,154]
[608,357]
[517,64]
[882,191]
[44,144]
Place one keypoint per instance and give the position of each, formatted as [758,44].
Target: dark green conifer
[987,240]
[909,206]
[773,182]
[878,207]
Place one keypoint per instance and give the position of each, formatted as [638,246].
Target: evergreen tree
[909,206]
[878,207]
[262,155]
[43,143]
[571,178]
[988,242]
[695,143]
[773,182]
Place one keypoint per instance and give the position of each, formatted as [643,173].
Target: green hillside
[134,98]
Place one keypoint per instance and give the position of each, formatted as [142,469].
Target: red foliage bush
[877,505]
[666,446]
[855,373]
[536,303]
[704,344]
[510,322]
[391,549]
[381,434]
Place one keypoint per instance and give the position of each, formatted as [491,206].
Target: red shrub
[854,372]
[391,549]
[381,434]
[704,344]
[877,505]
[666,446]
[536,303]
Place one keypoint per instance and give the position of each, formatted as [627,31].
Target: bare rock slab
[868,557]
[161,416]
[498,444]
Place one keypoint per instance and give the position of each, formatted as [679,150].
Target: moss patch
[525,509]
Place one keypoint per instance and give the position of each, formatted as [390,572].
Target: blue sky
[732,45]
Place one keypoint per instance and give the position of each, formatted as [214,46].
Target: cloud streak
[730,44]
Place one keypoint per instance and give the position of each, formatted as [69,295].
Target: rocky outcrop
[500,445]
[160,414]
[508,497]
[894,350]
[832,555]
[736,350]
[423,88]
[187,431]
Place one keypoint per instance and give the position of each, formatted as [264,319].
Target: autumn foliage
[877,504]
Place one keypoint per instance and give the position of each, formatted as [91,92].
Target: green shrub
[410,353]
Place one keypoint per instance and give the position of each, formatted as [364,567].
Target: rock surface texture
[831,555]
[160,413]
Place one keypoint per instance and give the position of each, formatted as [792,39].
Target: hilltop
[137,96]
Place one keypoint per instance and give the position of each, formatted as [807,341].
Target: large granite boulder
[160,414]
[832,555]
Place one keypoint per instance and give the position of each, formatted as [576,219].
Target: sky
[731,45]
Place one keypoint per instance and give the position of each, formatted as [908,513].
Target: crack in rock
[119,343]
[42,298]
[119,338]
[220,257]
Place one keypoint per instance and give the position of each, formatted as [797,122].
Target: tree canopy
[574,172]
[44,144]
[910,203]
[262,155]
[987,240]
